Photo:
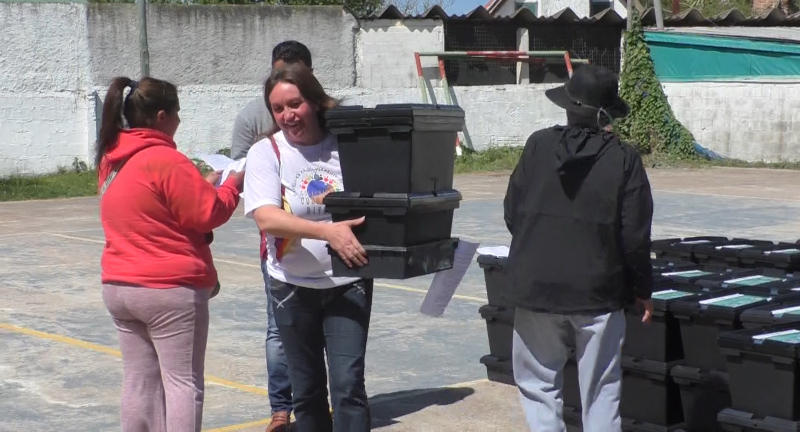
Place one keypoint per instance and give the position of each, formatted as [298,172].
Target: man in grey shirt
[252,124]
[254,120]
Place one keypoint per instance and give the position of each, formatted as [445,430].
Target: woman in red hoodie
[157,273]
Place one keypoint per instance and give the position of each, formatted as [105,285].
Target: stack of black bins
[499,317]
[764,368]
[397,168]
[651,399]
[704,376]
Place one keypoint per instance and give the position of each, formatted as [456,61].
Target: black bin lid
[769,314]
[419,116]
[445,198]
[726,304]
[408,110]
[780,340]
[491,261]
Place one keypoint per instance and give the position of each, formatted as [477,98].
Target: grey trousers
[540,353]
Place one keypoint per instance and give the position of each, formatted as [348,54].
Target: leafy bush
[651,126]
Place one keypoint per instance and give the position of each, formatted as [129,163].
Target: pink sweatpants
[162,336]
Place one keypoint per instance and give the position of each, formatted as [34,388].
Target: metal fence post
[144,52]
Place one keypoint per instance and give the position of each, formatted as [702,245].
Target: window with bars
[599,44]
[480,36]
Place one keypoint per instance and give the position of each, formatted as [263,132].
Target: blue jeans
[314,322]
[278,385]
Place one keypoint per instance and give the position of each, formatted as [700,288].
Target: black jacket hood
[580,147]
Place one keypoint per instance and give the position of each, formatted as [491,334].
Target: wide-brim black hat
[591,89]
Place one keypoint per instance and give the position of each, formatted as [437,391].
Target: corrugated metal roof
[691,18]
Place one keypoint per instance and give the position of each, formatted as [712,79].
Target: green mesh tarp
[691,57]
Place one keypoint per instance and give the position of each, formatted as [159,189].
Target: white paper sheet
[236,166]
[498,251]
[445,282]
[219,162]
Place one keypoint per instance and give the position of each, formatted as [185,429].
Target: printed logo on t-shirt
[312,185]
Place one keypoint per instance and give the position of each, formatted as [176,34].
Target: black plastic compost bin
[727,253]
[739,421]
[399,262]
[762,279]
[499,328]
[681,248]
[660,340]
[703,395]
[771,314]
[764,368]
[396,219]
[495,277]
[783,256]
[703,320]
[498,369]
[704,272]
[398,148]
[665,265]
[649,395]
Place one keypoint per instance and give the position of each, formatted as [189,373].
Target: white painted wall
[385,52]
[552,7]
[620,9]
[54,74]
[753,121]
[43,82]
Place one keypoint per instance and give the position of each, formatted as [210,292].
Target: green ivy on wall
[651,126]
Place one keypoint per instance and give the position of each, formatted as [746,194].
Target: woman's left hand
[341,238]
[213,177]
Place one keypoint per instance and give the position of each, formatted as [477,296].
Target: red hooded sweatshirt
[158,214]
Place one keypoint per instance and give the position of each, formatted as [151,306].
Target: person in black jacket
[579,208]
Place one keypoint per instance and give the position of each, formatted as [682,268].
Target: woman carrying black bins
[287,176]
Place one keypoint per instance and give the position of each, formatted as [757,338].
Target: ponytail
[131,104]
[113,117]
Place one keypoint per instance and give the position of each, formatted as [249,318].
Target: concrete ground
[60,368]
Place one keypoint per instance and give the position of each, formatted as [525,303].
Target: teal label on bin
[792,251]
[670,294]
[733,300]
[687,273]
[787,336]
[752,280]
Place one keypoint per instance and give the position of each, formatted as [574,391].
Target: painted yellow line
[382,399]
[422,291]
[116,353]
[241,264]
[63,339]
[84,239]
[241,426]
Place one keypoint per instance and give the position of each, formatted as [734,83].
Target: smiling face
[296,117]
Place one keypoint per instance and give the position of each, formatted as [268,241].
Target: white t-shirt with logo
[307,174]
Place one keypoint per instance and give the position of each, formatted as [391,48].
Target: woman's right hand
[341,238]
[239,176]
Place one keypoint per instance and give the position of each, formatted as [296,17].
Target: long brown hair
[141,107]
[303,78]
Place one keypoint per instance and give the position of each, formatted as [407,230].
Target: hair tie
[126,93]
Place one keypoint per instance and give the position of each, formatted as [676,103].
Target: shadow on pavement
[386,408]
